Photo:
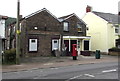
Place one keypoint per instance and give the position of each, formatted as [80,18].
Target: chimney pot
[88,9]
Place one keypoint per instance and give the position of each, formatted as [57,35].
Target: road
[85,71]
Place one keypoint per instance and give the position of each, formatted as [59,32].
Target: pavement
[53,62]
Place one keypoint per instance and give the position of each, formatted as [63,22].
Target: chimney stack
[88,9]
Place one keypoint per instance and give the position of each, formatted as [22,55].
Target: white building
[2,32]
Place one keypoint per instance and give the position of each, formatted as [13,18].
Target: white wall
[2,28]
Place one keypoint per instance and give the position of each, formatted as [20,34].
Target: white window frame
[65,26]
[33,46]
[79,27]
[53,44]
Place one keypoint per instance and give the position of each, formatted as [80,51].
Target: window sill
[80,31]
[32,51]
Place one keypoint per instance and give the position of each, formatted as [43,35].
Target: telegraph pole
[18,34]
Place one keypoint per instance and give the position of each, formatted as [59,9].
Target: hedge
[10,56]
[114,49]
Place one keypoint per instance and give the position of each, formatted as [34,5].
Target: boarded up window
[33,44]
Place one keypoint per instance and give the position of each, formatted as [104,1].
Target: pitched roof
[111,18]
[9,21]
[69,16]
[44,9]
[63,17]
[3,17]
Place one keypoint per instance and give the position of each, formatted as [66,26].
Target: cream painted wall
[102,34]
[2,28]
[112,36]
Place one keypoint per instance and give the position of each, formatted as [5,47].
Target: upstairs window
[79,27]
[116,30]
[65,26]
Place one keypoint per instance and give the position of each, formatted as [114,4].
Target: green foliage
[114,49]
[119,36]
[10,56]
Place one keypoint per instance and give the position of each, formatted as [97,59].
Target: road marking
[48,64]
[41,71]
[106,71]
[75,77]
[17,72]
[54,68]
[36,78]
[31,71]
[89,75]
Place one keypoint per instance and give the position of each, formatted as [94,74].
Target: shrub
[114,49]
[10,56]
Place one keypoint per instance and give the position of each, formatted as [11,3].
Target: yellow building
[103,29]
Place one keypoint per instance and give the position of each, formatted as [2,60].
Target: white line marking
[41,71]
[106,71]
[75,77]
[54,68]
[35,78]
[48,64]
[89,75]
[31,71]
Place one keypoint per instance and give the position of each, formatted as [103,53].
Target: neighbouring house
[2,33]
[42,33]
[103,29]
[10,33]
[74,32]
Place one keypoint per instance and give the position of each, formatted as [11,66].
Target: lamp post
[18,34]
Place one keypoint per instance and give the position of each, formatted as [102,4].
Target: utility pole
[18,34]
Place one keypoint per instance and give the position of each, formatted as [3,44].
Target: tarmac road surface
[107,70]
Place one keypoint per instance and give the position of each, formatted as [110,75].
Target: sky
[57,7]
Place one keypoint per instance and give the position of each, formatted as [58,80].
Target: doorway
[66,42]
[86,44]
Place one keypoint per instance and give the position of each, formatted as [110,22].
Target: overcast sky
[57,7]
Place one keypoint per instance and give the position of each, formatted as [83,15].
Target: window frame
[80,27]
[66,28]
[117,29]
[30,42]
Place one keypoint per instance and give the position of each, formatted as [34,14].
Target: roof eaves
[44,9]
[80,19]
[69,16]
[106,19]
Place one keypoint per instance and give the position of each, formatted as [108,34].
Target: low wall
[114,53]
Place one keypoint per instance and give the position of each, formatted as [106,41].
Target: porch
[83,43]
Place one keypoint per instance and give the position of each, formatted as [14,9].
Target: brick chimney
[88,9]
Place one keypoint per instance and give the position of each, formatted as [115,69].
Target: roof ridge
[104,12]
[44,9]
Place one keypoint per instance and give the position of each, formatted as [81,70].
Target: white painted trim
[89,44]
[59,44]
[71,16]
[31,45]
[78,37]
[53,44]
[69,45]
